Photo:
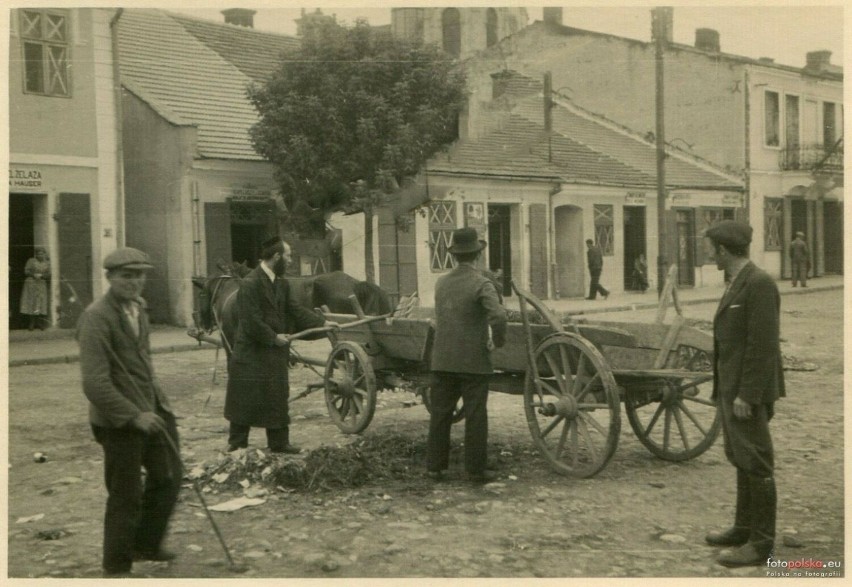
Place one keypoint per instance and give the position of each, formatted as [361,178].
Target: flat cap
[730,233]
[127,258]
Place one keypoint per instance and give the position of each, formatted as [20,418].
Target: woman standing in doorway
[34,294]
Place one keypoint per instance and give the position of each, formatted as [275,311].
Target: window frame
[777,212]
[48,67]
[777,122]
[604,222]
[441,234]
[825,105]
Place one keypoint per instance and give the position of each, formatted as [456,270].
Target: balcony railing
[808,157]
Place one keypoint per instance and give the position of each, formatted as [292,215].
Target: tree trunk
[369,265]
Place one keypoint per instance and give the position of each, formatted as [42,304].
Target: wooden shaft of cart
[325,329]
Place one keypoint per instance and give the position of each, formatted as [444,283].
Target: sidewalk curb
[627,307]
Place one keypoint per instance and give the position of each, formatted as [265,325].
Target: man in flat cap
[800,257]
[258,386]
[130,417]
[747,380]
[466,304]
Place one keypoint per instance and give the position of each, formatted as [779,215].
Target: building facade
[65,176]
[778,126]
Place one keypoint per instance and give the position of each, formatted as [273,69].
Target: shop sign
[681,199]
[732,200]
[635,198]
[247,193]
[25,178]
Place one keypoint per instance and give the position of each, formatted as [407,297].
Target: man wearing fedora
[130,417]
[747,380]
[800,258]
[466,304]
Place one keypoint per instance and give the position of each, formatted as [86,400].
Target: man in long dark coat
[258,385]
[800,258]
[594,258]
[747,380]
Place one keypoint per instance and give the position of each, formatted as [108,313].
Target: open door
[75,257]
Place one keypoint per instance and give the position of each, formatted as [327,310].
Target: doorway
[801,214]
[634,243]
[686,247]
[21,243]
[833,237]
[570,251]
[500,243]
[252,222]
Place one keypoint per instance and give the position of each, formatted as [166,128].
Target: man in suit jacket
[800,258]
[747,380]
[258,386]
[594,257]
[466,304]
[130,417]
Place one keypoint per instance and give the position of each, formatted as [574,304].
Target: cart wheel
[676,419]
[350,387]
[573,409]
[426,394]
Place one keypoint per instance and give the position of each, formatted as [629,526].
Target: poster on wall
[474,217]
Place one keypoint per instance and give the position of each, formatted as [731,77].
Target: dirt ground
[639,517]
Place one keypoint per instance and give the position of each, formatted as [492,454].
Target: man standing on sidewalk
[747,380]
[130,417]
[466,304]
[800,258]
[594,256]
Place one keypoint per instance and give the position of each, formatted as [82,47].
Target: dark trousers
[137,515]
[276,438]
[800,272]
[447,388]
[595,287]
[748,445]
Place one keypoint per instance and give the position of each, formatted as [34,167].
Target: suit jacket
[746,340]
[594,257]
[118,376]
[799,251]
[466,303]
[258,388]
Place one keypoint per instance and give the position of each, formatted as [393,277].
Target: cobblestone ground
[639,517]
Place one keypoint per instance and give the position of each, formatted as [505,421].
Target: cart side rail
[409,339]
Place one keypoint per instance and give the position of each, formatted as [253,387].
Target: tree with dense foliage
[351,116]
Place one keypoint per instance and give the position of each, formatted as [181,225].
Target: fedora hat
[466,240]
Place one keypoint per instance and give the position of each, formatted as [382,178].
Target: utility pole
[548,113]
[661,23]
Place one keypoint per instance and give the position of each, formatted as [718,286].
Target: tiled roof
[582,150]
[184,73]
[255,53]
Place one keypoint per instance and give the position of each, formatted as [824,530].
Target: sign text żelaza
[24,178]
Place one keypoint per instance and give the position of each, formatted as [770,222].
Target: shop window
[442,223]
[604,228]
[772,119]
[773,216]
[45,47]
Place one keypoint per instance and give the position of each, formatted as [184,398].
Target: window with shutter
[45,48]
[442,223]
[773,215]
[604,232]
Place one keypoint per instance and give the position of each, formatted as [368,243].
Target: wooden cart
[573,378]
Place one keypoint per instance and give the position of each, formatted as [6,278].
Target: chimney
[818,59]
[707,40]
[240,17]
[662,23]
[552,15]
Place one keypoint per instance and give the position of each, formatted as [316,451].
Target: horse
[218,296]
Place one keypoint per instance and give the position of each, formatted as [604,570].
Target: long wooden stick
[323,329]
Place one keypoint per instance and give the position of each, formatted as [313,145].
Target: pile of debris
[367,460]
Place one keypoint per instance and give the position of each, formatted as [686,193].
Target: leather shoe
[161,555]
[287,449]
[748,555]
[735,536]
[486,476]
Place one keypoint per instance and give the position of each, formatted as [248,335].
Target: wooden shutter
[217,234]
[75,257]
[538,249]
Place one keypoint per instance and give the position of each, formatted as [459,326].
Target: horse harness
[220,280]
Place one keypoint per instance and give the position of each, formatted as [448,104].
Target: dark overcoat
[594,257]
[258,387]
[747,364]
[118,376]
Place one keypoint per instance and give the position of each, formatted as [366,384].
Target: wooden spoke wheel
[350,387]
[573,407]
[458,411]
[676,419]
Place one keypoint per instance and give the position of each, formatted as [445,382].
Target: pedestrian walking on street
[594,256]
[747,380]
[466,304]
[800,256]
[258,386]
[34,292]
[130,417]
